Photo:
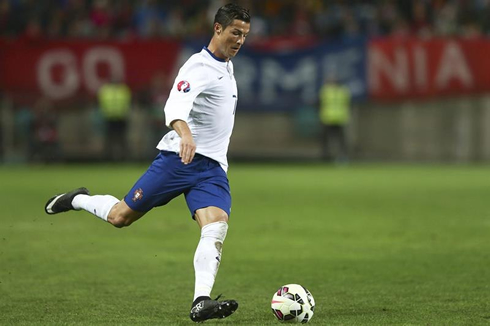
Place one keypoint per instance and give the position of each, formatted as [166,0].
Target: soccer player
[192,159]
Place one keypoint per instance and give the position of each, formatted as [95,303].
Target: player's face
[232,38]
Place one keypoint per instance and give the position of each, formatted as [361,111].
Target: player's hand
[187,149]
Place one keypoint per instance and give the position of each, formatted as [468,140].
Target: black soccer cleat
[62,203]
[205,308]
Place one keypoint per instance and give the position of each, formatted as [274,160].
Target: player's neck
[213,48]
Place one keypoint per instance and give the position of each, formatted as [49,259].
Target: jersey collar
[212,55]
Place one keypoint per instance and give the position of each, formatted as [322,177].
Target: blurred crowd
[35,128]
[191,19]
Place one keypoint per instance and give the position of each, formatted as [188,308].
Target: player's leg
[105,207]
[214,226]
[210,202]
[149,191]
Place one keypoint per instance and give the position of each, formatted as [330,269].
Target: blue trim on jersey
[215,57]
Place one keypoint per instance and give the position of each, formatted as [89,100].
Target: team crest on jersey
[138,194]
[184,86]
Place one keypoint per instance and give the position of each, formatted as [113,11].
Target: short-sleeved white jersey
[205,96]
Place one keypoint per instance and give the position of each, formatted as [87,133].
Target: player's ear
[218,29]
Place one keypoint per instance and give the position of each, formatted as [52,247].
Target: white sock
[99,205]
[208,257]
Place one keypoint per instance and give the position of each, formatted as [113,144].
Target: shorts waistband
[197,157]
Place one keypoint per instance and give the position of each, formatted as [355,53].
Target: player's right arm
[193,78]
[187,144]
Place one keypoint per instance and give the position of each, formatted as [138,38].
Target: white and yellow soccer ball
[293,303]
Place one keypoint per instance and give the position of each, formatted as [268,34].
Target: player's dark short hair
[229,12]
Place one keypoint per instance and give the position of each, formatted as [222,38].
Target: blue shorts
[203,182]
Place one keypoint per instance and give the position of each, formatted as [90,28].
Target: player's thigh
[164,180]
[210,198]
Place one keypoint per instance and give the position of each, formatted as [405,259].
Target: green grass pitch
[375,244]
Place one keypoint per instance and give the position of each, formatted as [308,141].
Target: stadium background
[417,70]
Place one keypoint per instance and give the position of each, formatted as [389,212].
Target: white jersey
[205,96]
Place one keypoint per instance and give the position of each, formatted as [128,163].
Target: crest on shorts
[138,194]
[184,86]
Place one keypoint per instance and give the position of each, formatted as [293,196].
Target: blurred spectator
[101,18]
[33,30]
[334,114]
[301,24]
[351,28]
[7,19]
[174,24]
[122,19]
[149,18]
[445,20]
[54,28]
[77,20]
[115,104]
[420,23]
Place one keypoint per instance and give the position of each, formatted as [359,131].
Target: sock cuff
[216,230]
[111,201]
[79,201]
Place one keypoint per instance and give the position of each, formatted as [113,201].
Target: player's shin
[99,205]
[208,257]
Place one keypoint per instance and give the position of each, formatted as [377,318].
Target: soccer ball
[293,303]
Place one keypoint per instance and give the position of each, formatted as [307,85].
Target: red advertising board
[61,70]
[412,68]
[394,69]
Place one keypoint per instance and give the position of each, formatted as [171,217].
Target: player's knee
[220,217]
[120,221]
[210,215]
